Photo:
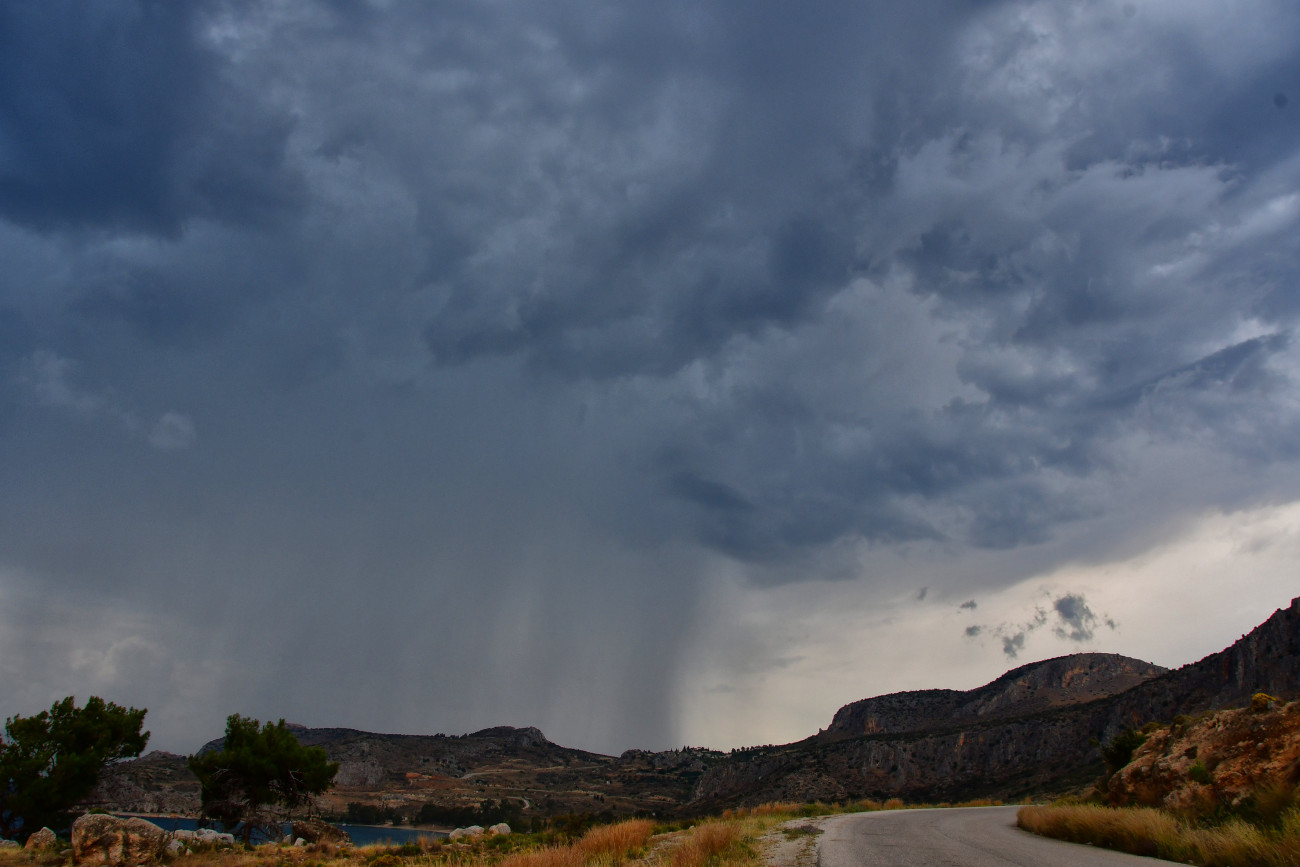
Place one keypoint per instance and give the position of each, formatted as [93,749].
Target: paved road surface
[962,837]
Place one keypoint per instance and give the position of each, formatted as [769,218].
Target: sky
[651,373]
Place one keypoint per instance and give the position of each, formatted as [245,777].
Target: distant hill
[1033,730]
[515,767]
[1039,686]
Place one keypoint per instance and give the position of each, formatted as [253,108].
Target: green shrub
[1119,752]
[1199,773]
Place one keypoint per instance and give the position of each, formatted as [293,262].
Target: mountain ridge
[1032,730]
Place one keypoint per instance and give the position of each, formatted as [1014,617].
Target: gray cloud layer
[398,352]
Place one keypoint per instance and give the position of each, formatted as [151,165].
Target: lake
[362,835]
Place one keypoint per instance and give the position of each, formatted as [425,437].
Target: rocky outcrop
[964,753]
[1217,760]
[104,839]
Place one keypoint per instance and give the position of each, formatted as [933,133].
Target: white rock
[300,842]
[500,828]
[469,831]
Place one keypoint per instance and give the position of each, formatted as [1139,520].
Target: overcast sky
[652,373]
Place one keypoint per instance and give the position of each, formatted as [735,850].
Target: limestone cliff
[1038,686]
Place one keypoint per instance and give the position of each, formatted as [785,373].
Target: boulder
[9,844]
[500,828]
[175,847]
[42,839]
[104,839]
[470,831]
[317,831]
[214,838]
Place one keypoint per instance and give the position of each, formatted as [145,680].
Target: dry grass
[549,856]
[1151,832]
[619,841]
[710,843]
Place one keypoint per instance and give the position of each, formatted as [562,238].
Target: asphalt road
[960,837]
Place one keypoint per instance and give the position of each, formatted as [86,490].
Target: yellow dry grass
[1152,832]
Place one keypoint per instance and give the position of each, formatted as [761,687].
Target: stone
[318,831]
[104,839]
[469,831]
[214,838]
[499,829]
[300,842]
[185,835]
[9,844]
[175,847]
[42,839]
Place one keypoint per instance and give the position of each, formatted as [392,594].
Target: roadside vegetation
[1160,834]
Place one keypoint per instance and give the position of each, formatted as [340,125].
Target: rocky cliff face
[1039,686]
[1198,765]
[1029,731]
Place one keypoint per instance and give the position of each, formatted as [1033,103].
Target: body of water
[362,835]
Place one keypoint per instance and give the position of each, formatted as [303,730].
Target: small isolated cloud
[922,593]
[1013,644]
[972,631]
[1077,620]
[969,605]
[172,432]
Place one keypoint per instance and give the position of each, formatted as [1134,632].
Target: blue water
[362,835]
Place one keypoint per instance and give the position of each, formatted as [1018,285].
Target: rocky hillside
[1039,686]
[1041,745]
[1218,760]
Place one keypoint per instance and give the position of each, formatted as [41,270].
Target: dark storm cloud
[517,319]
[114,116]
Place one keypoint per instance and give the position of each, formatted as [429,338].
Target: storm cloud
[354,356]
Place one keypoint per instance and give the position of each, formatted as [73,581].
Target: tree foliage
[51,761]
[261,775]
